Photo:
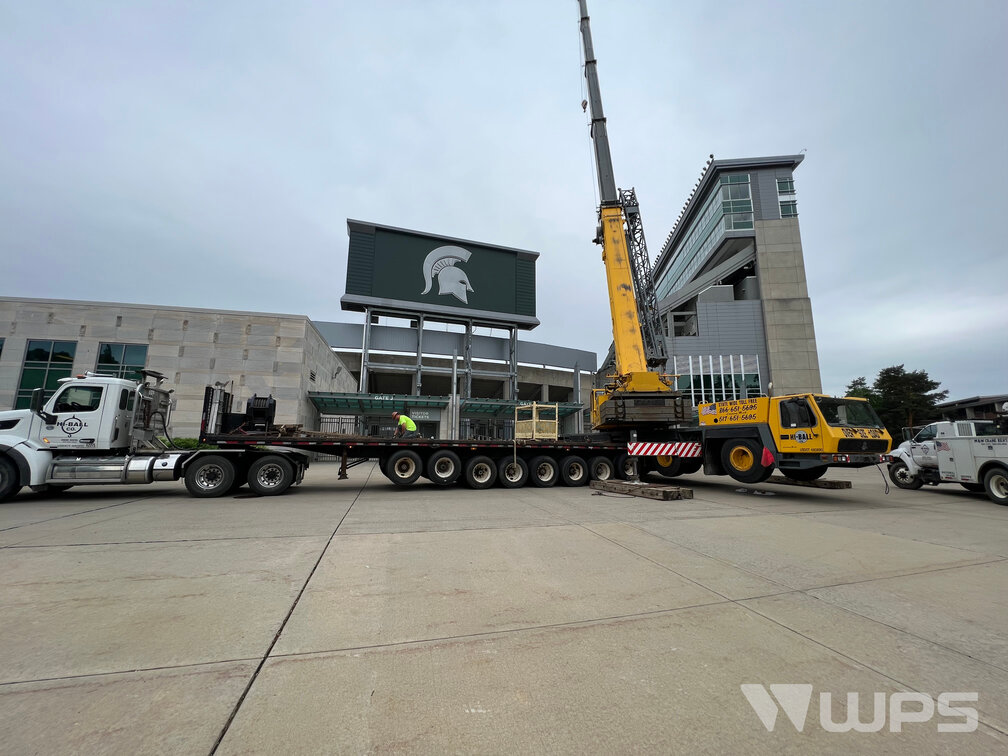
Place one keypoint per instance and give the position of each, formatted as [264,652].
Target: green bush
[187,443]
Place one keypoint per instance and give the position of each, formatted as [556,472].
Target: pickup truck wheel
[573,471]
[601,468]
[901,476]
[805,474]
[444,467]
[996,483]
[10,481]
[741,460]
[512,472]
[270,475]
[403,467]
[209,476]
[480,472]
[544,472]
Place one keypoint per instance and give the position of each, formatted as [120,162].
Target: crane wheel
[670,467]
[741,460]
[804,474]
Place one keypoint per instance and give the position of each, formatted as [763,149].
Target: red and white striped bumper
[650,449]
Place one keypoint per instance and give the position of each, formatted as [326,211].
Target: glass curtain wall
[717,377]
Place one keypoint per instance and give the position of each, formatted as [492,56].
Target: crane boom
[637,398]
[629,346]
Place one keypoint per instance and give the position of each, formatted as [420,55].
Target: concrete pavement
[357,617]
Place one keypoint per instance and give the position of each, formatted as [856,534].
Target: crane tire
[670,467]
[741,460]
[804,474]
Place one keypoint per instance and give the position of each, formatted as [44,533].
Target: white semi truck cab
[973,453]
[96,429]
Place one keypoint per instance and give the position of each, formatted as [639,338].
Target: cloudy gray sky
[208,154]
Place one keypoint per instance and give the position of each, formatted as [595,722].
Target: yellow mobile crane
[801,435]
[638,396]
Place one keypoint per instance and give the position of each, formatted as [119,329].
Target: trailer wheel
[403,467]
[480,472]
[626,467]
[512,472]
[601,468]
[10,482]
[544,471]
[996,483]
[270,475]
[804,474]
[573,471]
[740,457]
[209,476]
[901,476]
[444,467]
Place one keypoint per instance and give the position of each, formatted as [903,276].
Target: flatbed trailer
[479,463]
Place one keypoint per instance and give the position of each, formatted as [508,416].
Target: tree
[905,399]
[859,387]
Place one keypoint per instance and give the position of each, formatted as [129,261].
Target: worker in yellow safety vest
[405,428]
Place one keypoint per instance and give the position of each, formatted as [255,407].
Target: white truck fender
[902,453]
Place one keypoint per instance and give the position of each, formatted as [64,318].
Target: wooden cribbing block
[647,490]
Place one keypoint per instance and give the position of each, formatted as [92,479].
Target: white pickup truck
[973,453]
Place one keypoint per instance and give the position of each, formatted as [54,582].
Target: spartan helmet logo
[451,280]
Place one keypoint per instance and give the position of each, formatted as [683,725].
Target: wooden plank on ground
[833,484]
[647,490]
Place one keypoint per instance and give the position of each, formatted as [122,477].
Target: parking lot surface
[356,617]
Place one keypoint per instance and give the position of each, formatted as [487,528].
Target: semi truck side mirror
[35,405]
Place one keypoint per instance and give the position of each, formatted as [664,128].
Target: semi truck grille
[879,446]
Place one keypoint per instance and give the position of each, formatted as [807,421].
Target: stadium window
[45,363]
